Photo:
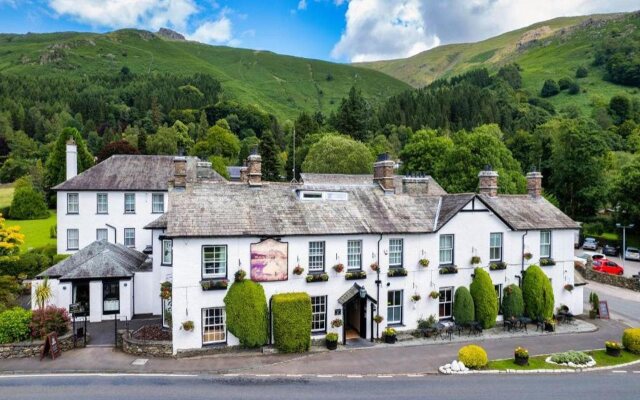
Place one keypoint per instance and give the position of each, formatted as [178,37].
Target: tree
[247,314]
[10,241]
[550,88]
[511,74]
[627,192]
[219,165]
[425,152]
[337,154]
[620,108]
[170,140]
[484,298]
[219,141]
[113,148]
[582,72]
[354,116]
[56,162]
[564,83]
[512,302]
[463,308]
[270,158]
[537,294]
[9,291]
[28,203]
[574,88]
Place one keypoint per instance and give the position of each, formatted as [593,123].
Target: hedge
[537,294]
[473,356]
[512,302]
[463,308]
[484,298]
[14,325]
[247,315]
[631,340]
[291,313]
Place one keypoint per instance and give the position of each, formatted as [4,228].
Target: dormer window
[318,196]
[311,195]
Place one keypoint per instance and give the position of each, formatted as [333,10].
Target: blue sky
[335,30]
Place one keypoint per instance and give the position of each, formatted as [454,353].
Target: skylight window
[318,196]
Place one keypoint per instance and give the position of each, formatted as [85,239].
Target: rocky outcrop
[170,34]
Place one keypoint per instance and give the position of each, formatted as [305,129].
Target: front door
[356,318]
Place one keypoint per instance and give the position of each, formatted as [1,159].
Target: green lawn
[36,231]
[6,194]
[538,362]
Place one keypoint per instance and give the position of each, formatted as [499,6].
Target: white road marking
[231,375]
[101,375]
[385,376]
[140,361]
[294,375]
[415,375]
[619,372]
[325,376]
[636,372]
[354,376]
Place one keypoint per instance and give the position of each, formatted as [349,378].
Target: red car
[607,267]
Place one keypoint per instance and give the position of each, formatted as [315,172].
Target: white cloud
[302,5]
[382,29]
[215,32]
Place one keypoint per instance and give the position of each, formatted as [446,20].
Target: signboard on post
[603,309]
[76,308]
[51,346]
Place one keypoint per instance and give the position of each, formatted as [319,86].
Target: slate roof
[100,259]
[333,180]
[522,212]
[132,173]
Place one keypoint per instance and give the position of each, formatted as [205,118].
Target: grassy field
[36,231]
[538,362]
[282,85]
[6,194]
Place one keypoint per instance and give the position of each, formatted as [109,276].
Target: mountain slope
[282,85]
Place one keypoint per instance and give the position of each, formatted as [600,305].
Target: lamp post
[624,238]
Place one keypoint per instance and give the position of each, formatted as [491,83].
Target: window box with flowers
[214,284]
[521,356]
[353,275]
[498,266]
[448,269]
[423,262]
[547,262]
[298,270]
[434,294]
[389,335]
[338,268]
[395,272]
[323,277]
[613,349]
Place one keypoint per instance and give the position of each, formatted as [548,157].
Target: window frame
[106,203]
[452,249]
[204,326]
[401,241]
[77,203]
[442,301]
[162,253]
[130,195]
[115,283]
[315,269]
[349,255]
[323,314]
[102,230]
[395,306]
[124,237]
[202,262]
[499,289]
[548,244]
[491,246]
[76,230]
[153,203]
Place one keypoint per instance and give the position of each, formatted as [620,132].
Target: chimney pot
[488,182]
[72,158]
[534,184]
[383,172]
[254,169]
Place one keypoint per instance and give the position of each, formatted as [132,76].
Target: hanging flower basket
[187,326]
[475,260]
[240,275]
[568,287]
[298,270]
[378,319]
[416,298]
[527,256]
[165,290]
[338,268]
[434,295]
[374,266]
[424,262]
[336,323]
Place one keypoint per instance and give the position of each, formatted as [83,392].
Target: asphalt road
[586,386]
[630,267]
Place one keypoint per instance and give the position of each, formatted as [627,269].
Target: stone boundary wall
[149,348]
[614,280]
[34,348]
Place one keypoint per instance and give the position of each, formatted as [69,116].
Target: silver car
[632,253]
[590,244]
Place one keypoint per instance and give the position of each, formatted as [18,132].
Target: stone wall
[34,348]
[614,280]
[148,348]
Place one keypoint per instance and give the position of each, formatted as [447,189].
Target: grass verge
[36,231]
[538,362]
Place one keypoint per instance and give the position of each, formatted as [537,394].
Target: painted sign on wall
[269,261]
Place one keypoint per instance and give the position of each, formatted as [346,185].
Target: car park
[632,253]
[608,267]
[590,244]
[610,250]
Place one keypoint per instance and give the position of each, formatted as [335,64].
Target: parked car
[632,253]
[590,244]
[611,250]
[584,257]
[607,267]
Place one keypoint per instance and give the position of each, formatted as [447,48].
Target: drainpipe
[378,282]
[522,259]
[270,320]
[115,233]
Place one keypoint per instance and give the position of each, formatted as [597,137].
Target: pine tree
[354,117]
[270,158]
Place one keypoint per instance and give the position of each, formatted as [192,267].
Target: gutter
[115,233]
[435,223]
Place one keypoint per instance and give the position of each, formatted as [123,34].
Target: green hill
[547,50]
[282,85]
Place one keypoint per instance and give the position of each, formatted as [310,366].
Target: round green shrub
[537,294]
[14,325]
[473,356]
[247,315]
[631,340]
[512,302]
[582,72]
[550,88]
[484,298]
[28,203]
[463,309]
[291,322]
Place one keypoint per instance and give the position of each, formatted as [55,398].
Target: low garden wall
[34,348]
[149,348]
[614,280]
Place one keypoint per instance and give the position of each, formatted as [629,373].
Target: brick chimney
[244,174]
[415,185]
[383,172]
[72,159]
[180,173]
[488,182]
[534,184]
[254,169]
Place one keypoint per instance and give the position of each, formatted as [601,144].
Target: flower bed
[152,332]
[573,359]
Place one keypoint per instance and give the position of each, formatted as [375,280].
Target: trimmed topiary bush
[512,302]
[484,298]
[14,325]
[463,309]
[473,356]
[291,322]
[247,314]
[537,294]
[631,340]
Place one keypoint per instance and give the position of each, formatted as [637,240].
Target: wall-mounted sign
[269,261]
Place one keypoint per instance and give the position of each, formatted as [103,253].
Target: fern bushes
[291,322]
[484,298]
[247,315]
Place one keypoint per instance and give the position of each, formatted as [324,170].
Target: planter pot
[613,352]
[332,345]
[391,339]
[549,327]
[593,314]
[522,360]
